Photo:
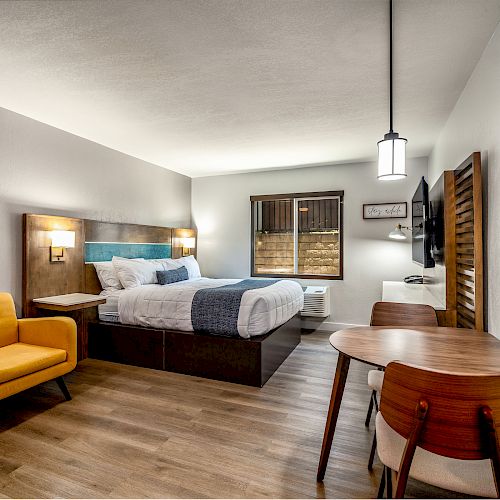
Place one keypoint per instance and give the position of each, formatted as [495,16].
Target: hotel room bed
[234,330]
[264,332]
[171,306]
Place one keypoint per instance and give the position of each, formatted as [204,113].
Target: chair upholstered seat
[472,477]
[375,380]
[18,360]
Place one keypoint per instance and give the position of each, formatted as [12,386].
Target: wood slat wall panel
[468,247]
[465,322]
[463,174]
[465,238]
[464,228]
[466,195]
[465,312]
[464,186]
[465,207]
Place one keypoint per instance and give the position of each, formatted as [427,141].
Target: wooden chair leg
[375,402]
[492,442]
[381,488]
[372,452]
[389,482]
[410,447]
[64,389]
[370,409]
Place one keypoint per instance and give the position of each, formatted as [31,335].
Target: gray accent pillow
[172,276]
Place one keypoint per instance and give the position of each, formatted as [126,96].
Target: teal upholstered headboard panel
[96,251]
[103,240]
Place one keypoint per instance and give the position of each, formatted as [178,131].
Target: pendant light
[392,148]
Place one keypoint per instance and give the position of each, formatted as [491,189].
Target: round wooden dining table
[455,350]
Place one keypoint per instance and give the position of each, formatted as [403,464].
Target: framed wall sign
[396,210]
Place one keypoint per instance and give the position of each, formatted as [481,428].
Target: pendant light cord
[390,67]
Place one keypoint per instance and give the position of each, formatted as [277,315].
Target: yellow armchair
[34,350]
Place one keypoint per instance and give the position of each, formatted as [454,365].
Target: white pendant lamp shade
[391,157]
[392,148]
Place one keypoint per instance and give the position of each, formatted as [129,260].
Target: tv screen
[421,251]
[436,221]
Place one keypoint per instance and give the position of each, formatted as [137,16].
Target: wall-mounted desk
[399,291]
[74,306]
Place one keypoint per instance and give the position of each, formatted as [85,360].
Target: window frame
[298,196]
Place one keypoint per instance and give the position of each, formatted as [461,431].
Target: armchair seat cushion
[18,360]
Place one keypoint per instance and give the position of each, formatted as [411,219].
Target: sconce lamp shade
[397,233]
[188,242]
[63,239]
[391,157]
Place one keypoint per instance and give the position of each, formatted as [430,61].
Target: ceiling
[205,87]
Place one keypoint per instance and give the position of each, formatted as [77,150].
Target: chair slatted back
[399,314]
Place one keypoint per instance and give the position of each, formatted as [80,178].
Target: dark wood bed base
[242,361]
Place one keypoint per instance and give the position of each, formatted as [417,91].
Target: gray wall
[221,212]
[46,170]
[474,125]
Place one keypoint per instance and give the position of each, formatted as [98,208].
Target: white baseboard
[325,326]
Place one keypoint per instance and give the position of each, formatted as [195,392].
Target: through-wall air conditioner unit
[316,302]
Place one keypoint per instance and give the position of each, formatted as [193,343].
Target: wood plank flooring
[133,432]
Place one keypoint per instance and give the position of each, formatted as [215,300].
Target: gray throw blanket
[215,310]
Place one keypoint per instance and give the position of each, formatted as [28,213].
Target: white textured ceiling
[213,86]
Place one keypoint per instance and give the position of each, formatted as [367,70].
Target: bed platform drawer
[130,345]
[242,361]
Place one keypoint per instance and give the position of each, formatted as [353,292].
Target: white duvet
[169,306]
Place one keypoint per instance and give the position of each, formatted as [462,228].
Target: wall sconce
[59,241]
[187,245]
[398,234]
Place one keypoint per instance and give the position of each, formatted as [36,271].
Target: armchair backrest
[8,320]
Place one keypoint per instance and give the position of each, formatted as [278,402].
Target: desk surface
[69,301]
[399,291]
[456,350]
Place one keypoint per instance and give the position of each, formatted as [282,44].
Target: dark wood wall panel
[41,277]
[131,233]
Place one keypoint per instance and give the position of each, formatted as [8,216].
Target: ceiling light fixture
[392,148]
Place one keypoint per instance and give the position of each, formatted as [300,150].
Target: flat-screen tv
[421,240]
[436,221]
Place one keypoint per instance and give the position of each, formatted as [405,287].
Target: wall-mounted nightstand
[73,305]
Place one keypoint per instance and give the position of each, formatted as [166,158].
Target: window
[297,235]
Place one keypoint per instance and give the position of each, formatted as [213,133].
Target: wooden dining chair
[393,314]
[440,428]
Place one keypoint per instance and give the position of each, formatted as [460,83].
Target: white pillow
[164,264]
[133,273]
[191,265]
[107,276]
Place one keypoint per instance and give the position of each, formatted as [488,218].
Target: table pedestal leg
[333,412]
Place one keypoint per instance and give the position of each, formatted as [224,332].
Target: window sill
[299,276]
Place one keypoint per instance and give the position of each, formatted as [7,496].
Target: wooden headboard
[94,241]
[104,239]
